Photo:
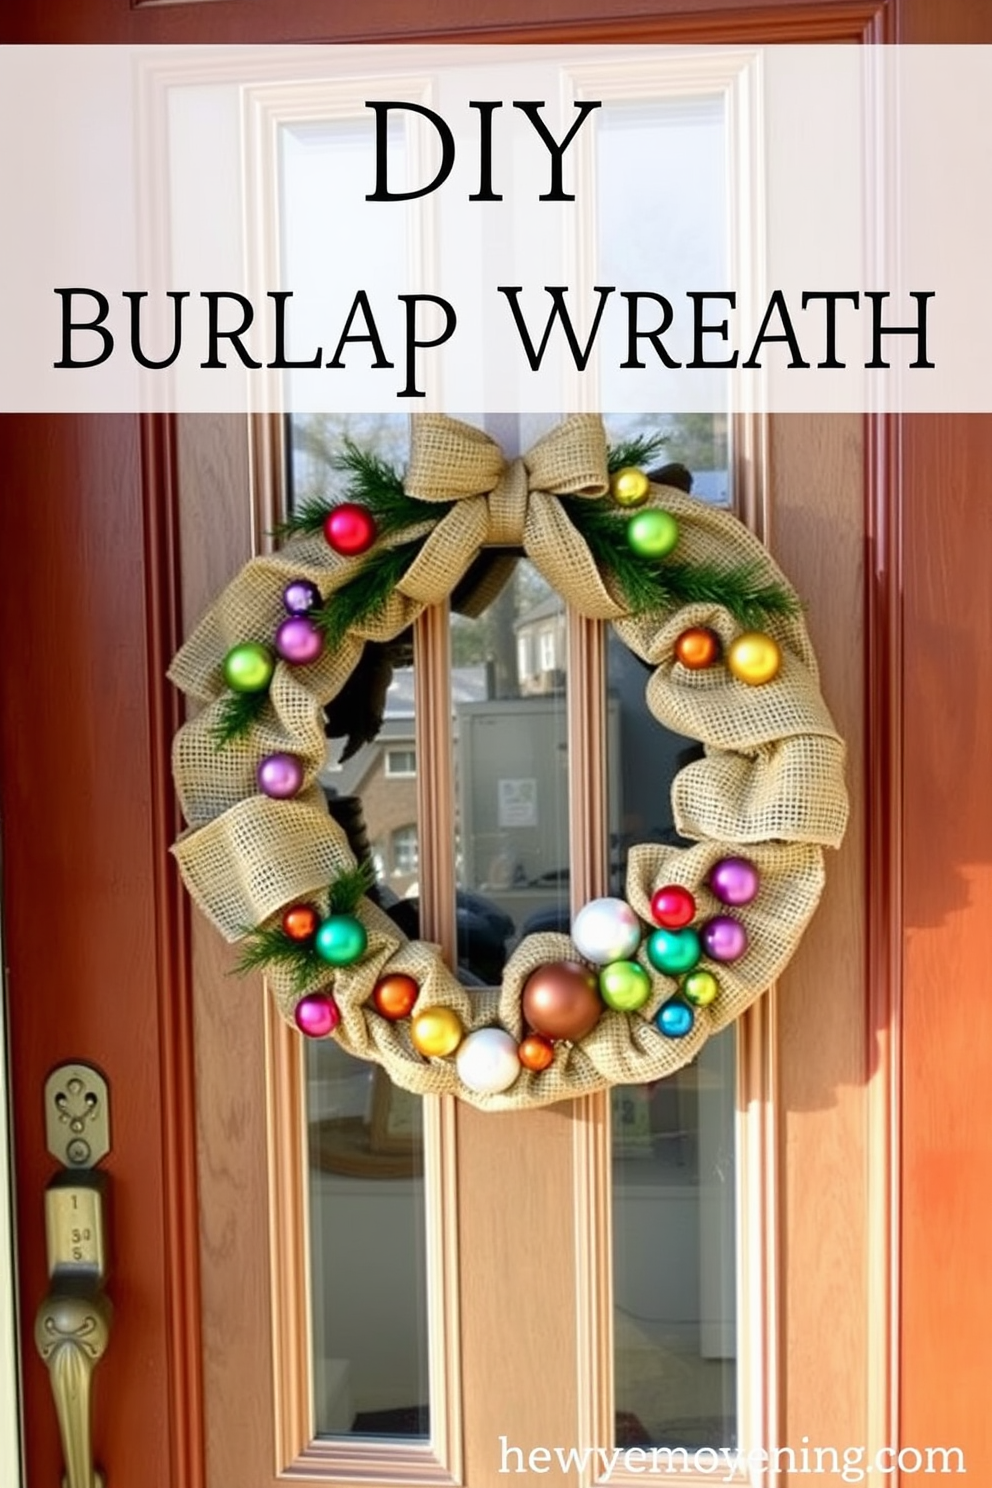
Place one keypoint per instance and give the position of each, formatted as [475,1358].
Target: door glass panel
[511,764]
[367,1218]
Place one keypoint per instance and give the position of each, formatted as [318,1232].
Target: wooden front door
[865,1256]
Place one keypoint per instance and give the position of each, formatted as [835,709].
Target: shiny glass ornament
[280,775]
[299,641]
[675,1019]
[672,907]
[734,880]
[394,995]
[561,1000]
[723,938]
[606,930]
[341,940]
[300,922]
[248,667]
[487,1061]
[754,658]
[624,986]
[536,1052]
[300,596]
[436,1032]
[673,951]
[700,988]
[316,1015]
[653,533]
[697,648]
[350,529]
[629,486]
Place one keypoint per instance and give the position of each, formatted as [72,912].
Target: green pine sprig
[238,714]
[271,946]
[638,451]
[648,584]
[365,594]
[374,484]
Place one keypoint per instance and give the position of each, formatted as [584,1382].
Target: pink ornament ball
[350,529]
[299,641]
[723,938]
[317,1014]
[734,880]
[280,776]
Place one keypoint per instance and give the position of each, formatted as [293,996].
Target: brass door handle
[71,1332]
[72,1328]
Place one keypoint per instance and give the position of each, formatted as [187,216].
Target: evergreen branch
[650,584]
[349,887]
[373,484]
[366,593]
[271,946]
[239,712]
[638,451]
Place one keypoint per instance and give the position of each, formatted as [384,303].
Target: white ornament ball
[606,930]
[487,1061]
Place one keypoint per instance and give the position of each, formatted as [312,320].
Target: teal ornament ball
[249,667]
[675,1019]
[624,986]
[674,951]
[652,533]
[341,940]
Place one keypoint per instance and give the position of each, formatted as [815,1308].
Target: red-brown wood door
[95,929]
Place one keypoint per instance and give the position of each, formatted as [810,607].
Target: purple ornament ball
[300,597]
[723,938]
[734,880]
[299,641]
[280,775]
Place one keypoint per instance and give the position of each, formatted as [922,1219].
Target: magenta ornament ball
[280,776]
[723,938]
[300,596]
[316,1015]
[299,641]
[350,529]
[734,880]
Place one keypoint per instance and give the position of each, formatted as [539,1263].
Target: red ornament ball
[536,1052]
[394,996]
[672,907]
[350,529]
[561,1000]
[697,648]
[300,922]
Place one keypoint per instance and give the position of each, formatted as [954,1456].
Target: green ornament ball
[341,940]
[624,986]
[674,951]
[249,667]
[700,988]
[652,533]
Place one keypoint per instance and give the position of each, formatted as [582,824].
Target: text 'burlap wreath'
[641,982]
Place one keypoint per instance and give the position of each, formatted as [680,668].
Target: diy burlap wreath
[766,797]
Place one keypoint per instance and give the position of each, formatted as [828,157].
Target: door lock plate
[77,1115]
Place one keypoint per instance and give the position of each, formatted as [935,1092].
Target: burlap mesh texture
[771,780]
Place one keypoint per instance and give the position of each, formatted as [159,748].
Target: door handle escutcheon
[72,1327]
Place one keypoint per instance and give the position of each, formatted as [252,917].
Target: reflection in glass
[511,764]
[673,1158]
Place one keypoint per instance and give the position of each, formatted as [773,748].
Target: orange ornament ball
[697,648]
[300,922]
[536,1052]
[395,995]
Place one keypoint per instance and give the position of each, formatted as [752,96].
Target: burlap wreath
[771,779]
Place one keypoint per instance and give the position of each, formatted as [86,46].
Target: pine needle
[373,484]
[271,946]
[366,593]
[639,451]
[239,712]
[349,887]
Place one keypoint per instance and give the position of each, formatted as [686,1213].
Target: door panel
[100,968]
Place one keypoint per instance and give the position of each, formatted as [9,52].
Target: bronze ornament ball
[697,648]
[561,1000]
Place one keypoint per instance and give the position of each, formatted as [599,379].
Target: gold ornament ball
[629,486]
[700,988]
[754,658]
[436,1031]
